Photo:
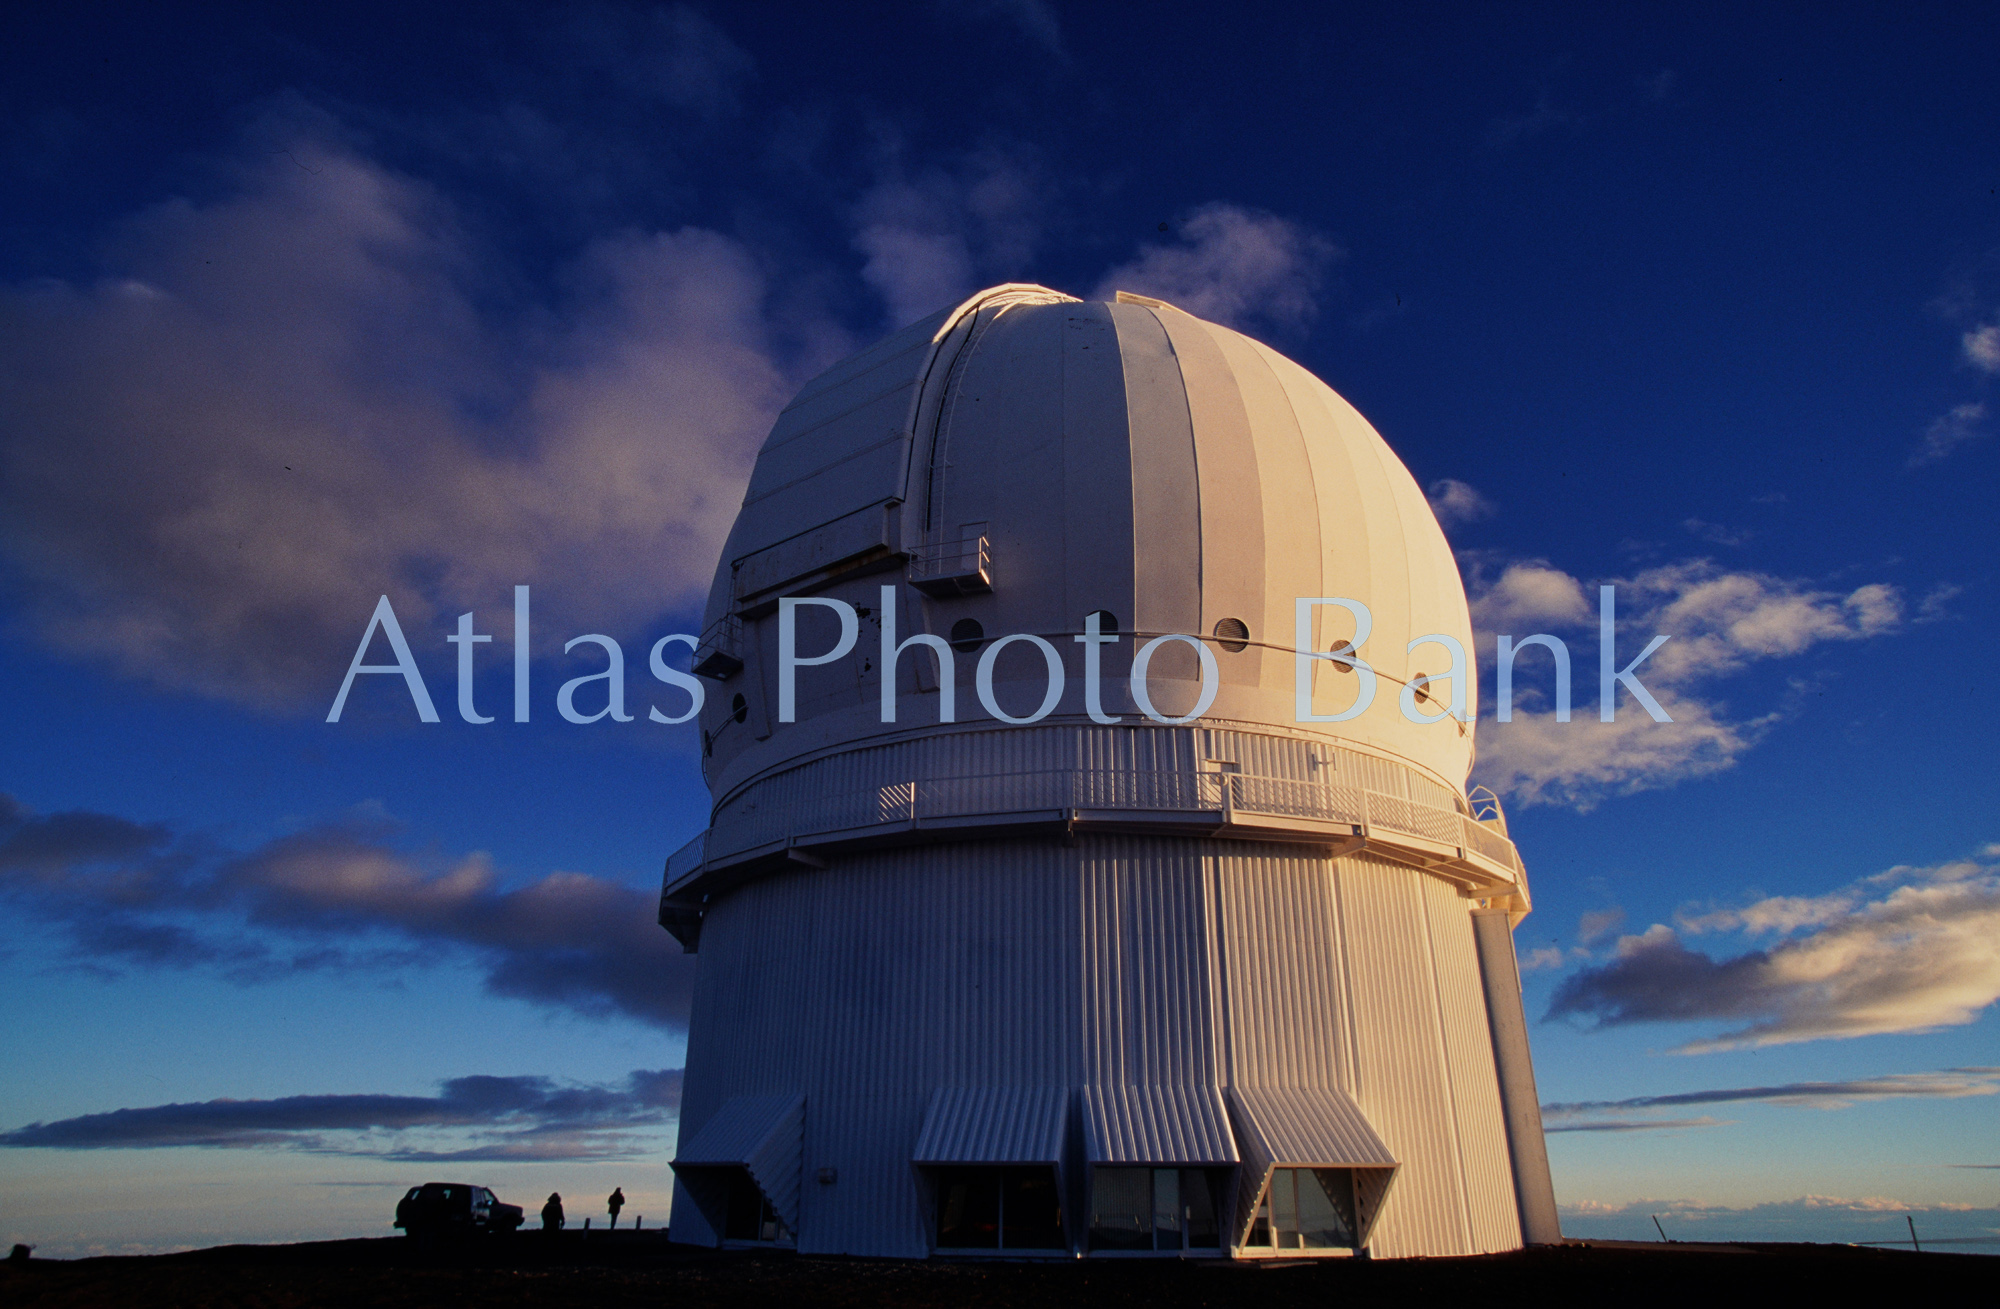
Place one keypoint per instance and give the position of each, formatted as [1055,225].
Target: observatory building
[1005,950]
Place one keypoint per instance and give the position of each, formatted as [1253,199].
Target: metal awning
[1156,1125]
[764,1134]
[993,1125]
[1308,1127]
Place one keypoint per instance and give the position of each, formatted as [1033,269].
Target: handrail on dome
[1486,808]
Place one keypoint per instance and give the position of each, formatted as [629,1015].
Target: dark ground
[608,1271]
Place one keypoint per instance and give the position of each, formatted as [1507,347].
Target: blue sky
[298,311]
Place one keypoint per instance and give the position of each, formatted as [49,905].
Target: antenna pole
[1663,1231]
[1913,1233]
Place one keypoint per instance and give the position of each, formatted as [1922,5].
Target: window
[967,635]
[1305,1209]
[1164,1210]
[999,1209]
[749,1216]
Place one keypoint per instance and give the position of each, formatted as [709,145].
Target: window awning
[762,1133]
[993,1125]
[1308,1127]
[1156,1125]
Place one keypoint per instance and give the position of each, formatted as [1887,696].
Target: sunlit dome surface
[1124,458]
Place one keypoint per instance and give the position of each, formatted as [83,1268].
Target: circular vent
[1232,634]
[739,708]
[1421,687]
[1342,648]
[967,635]
[1107,622]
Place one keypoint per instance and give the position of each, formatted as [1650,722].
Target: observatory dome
[1124,458]
[1051,902]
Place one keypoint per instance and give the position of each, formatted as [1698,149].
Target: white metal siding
[1475,1086]
[1403,1082]
[1012,967]
[994,1125]
[1156,1125]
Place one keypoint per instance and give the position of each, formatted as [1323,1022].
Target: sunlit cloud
[1718,622]
[933,235]
[1241,267]
[1907,950]
[1960,425]
[1457,503]
[1947,1084]
[1982,347]
[1632,1124]
[219,454]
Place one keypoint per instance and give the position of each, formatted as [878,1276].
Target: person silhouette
[552,1213]
[616,1202]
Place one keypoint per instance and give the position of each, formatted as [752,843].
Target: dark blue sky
[300,308]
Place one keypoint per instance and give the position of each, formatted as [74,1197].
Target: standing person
[552,1214]
[616,1202]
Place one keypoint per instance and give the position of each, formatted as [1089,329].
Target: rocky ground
[608,1271]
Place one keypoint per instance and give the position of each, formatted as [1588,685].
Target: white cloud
[1237,266]
[1551,957]
[1597,924]
[292,400]
[933,237]
[1527,597]
[1537,760]
[1907,950]
[1717,622]
[1949,432]
[1716,533]
[1935,607]
[1456,503]
[1982,348]
[1720,621]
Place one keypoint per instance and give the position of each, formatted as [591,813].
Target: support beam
[1520,1106]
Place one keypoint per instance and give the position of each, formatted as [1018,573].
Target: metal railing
[789,807]
[952,567]
[719,654]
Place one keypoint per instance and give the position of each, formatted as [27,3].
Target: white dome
[1124,457]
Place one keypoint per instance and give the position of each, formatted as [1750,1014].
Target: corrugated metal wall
[1475,1082]
[1113,962]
